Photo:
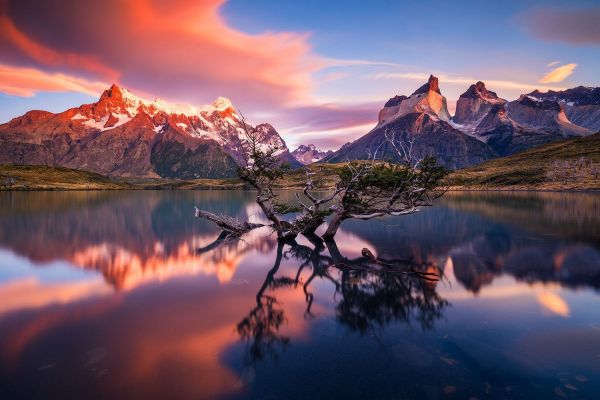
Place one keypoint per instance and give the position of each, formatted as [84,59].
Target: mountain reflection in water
[125,294]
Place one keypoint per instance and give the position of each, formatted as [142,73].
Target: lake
[125,295]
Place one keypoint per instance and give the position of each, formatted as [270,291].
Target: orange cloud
[27,82]
[178,49]
[559,74]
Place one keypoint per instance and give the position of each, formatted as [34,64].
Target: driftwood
[228,224]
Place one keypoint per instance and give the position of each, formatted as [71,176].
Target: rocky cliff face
[581,104]
[309,154]
[473,105]
[484,125]
[510,127]
[124,135]
[427,99]
[543,115]
[422,118]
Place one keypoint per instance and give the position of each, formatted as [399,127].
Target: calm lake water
[115,295]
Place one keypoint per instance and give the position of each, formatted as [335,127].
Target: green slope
[529,169]
[522,171]
[39,177]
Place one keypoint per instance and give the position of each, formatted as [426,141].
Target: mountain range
[308,154]
[484,125]
[124,135]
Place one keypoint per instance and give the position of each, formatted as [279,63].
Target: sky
[319,71]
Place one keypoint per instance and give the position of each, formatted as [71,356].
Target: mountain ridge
[124,135]
[500,127]
[308,154]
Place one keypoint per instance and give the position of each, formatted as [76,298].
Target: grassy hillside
[524,171]
[37,177]
[533,169]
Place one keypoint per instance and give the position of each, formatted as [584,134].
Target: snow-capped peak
[124,101]
[130,97]
[222,104]
[307,154]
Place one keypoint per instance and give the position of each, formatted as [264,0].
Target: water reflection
[369,292]
[127,295]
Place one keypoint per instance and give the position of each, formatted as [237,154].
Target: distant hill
[542,168]
[41,177]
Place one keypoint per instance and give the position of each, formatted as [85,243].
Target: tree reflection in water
[369,292]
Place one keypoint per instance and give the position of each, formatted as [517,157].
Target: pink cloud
[21,81]
[181,50]
[327,126]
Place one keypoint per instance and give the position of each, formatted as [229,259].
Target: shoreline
[226,188]
[42,178]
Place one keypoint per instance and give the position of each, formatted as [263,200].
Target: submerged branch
[228,224]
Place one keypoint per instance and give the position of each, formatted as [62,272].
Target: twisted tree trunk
[334,225]
[228,224]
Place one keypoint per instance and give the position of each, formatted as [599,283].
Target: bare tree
[403,146]
[313,214]
[566,171]
[364,189]
[375,188]
[9,182]
[260,169]
[595,170]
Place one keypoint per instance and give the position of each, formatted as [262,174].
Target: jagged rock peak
[580,95]
[427,99]
[394,101]
[118,93]
[534,102]
[306,147]
[113,92]
[479,90]
[431,85]
[308,154]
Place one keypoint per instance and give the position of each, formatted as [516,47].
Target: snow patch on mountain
[307,154]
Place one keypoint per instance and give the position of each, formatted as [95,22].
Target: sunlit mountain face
[129,292]
[317,71]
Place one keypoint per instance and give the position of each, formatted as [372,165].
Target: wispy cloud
[27,82]
[340,62]
[333,76]
[552,64]
[559,74]
[326,125]
[183,51]
[462,80]
[331,139]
